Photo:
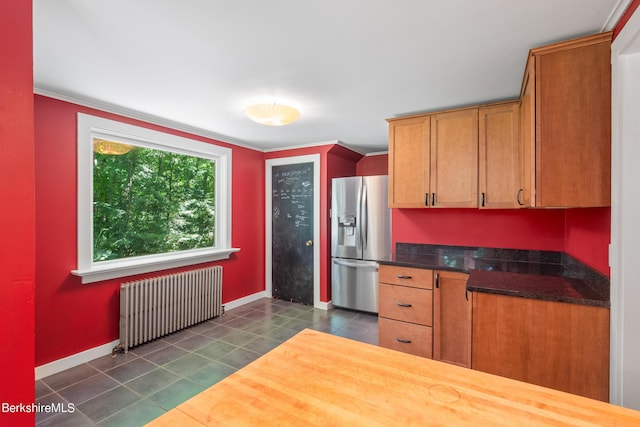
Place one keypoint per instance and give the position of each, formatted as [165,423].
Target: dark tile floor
[134,388]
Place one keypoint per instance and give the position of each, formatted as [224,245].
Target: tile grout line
[252,315]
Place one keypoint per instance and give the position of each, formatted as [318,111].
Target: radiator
[154,307]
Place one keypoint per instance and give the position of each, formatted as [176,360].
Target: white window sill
[121,268]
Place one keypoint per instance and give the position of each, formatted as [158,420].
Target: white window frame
[90,127]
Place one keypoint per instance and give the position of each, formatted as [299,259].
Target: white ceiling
[348,64]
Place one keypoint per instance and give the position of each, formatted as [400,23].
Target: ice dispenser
[347,230]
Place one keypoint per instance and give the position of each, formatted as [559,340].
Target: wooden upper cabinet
[528,135]
[500,165]
[454,159]
[571,86]
[433,160]
[553,149]
[409,162]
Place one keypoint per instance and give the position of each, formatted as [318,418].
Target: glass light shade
[272,114]
[102,146]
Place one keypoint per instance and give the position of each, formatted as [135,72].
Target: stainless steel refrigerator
[360,236]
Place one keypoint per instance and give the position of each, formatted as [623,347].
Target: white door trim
[625,210]
[311,158]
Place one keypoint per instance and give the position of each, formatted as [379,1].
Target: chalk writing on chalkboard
[292,195]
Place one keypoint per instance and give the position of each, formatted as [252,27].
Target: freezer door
[376,218]
[354,284]
[346,235]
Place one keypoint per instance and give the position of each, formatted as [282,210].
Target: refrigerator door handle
[364,226]
[358,227]
[355,265]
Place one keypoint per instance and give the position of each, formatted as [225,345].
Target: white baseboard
[245,300]
[324,305]
[60,365]
[77,359]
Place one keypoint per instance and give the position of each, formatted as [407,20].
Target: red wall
[17,216]
[72,317]
[582,233]
[587,236]
[513,229]
[373,165]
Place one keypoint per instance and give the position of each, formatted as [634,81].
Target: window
[148,200]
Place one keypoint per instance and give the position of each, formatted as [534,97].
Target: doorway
[292,229]
[625,210]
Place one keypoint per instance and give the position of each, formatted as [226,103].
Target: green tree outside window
[149,201]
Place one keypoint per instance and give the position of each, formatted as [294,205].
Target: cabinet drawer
[406,276]
[407,304]
[405,337]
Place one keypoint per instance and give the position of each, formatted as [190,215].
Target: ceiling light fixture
[272,114]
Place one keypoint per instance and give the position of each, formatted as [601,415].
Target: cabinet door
[528,135]
[573,124]
[454,159]
[553,344]
[409,162]
[499,170]
[451,319]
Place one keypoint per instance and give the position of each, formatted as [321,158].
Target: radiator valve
[117,349]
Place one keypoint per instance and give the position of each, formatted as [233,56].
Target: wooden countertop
[320,379]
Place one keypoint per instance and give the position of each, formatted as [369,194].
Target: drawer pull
[402,276]
[400,340]
[403,304]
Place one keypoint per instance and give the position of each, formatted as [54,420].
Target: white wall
[625,217]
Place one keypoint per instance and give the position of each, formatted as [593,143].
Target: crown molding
[618,10]
[147,118]
[170,124]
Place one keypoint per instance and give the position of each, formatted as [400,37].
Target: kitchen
[563,230]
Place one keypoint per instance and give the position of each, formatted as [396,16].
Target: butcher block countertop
[320,379]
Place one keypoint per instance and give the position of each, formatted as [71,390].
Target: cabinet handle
[520,191]
[403,341]
[437,280]
[403,304]
[466,294]
[402,276]
[482,202]
[433,199]
[426,199]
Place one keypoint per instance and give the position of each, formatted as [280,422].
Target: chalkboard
[292,225]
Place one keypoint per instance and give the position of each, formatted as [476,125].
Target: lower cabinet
[452,318]
[553,344]
[425,313]
[405,310]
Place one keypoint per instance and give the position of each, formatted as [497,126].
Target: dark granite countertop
[545,275]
